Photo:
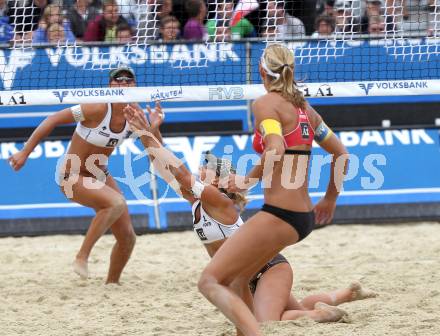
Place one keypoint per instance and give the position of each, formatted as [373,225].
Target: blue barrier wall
[387,167]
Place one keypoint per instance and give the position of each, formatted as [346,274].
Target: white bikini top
[102,135]
[208,229]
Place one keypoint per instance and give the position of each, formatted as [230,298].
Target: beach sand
[40,295]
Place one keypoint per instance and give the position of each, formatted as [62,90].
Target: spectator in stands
[52,15]
[148,22]
[124,33]
[224,13]
[130,9]
[6,30]
[434,11]
[194,28]
[4,8]
[325,7]
[103,27]
[79,15]
[269,31]
[325,26]
[223,32]
[397,8]
[169,29]
[279,24]
[55,34]
[346,22]
[24,17]
[376,25]
[374,8]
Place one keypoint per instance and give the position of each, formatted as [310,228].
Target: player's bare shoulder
[269,101]
[94,111]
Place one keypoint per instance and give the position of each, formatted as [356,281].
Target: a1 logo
[305,130]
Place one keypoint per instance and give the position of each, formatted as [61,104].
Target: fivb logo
[61,94]
[225,93]
[366,87]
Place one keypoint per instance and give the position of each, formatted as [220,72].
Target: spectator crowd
[130,21]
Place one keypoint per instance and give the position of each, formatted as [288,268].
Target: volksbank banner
[392,166]
[215,92]
[217,64]
[330,73]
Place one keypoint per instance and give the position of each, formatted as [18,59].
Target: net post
[248,81]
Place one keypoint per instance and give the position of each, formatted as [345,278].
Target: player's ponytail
[278,63]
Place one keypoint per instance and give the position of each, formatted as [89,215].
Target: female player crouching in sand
[216,217]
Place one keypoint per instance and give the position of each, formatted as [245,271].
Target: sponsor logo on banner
[366,87]
[164,95]
[402,85]
[325,90]
[16,98]
[61,94]
[226,93]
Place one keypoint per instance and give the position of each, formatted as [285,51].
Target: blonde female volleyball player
[287,127]
[85,178]
[216,216]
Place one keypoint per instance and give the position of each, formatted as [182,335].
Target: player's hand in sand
[324,211]
[156,116]
[17,160]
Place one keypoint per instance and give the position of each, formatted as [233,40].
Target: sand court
[42,296]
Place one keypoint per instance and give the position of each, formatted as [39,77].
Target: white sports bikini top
[208,229]
[102,135]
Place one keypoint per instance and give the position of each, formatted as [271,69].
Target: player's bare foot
[80,267]
[359,293]
[327,313]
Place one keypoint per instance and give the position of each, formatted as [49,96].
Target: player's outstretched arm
[43,130]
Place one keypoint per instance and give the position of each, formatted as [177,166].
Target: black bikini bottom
[278,259]
[302,222]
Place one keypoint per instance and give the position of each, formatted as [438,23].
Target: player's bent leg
[125,237]
[294,304]
[240,286]
[334,298]
[255,243]
[109,206]
[272,293]
[321,313]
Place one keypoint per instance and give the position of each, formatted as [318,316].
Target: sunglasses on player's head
[124,79]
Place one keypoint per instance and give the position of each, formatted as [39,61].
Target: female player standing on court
[85,178]
[287,128]
[216,216]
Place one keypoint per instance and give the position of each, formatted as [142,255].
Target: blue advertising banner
[216,63]
[386,167]
[213,64]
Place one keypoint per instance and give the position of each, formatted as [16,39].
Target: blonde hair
[278,62]
[49,11]
[240,200]
[223,168]
[56,28]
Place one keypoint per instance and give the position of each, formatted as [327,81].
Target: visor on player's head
[222,167]
[122,69]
